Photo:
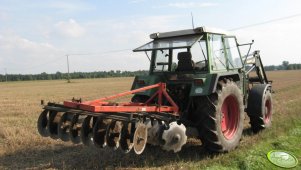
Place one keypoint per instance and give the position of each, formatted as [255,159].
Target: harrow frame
[101,105]
[106,123]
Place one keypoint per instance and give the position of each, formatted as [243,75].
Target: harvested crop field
[22,147]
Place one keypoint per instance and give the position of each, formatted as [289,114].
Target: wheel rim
[230,117]
[268,111]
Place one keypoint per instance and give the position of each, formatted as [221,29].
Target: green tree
[285,65]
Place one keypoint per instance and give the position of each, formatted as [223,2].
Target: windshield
[167,43]
[181,59]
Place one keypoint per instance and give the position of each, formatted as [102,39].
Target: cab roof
[198,30]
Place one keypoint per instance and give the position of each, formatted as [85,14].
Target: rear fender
[211,81]
[203,89]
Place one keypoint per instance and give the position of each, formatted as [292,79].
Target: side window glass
[161,63]
[199,54]
[175,60]
[233,53]
[217,52]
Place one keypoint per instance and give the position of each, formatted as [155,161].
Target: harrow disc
[42,124]
[86,130]
[113,134]
[52,125]
[140,138]
[126,137]
[75,127]
[99,132]
[174,137]
[64,126]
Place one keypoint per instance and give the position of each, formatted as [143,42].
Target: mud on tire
[222,125]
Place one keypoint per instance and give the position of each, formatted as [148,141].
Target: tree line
[75,75]
[105,74]
[284,66]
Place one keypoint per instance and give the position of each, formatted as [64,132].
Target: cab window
[217,52]
[161,62]
[233,53]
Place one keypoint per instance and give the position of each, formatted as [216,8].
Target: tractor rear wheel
[222,124]
[260,108]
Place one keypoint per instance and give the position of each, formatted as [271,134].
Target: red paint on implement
[230,117]
[101,105]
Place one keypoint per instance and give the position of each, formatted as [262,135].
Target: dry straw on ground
[22,147]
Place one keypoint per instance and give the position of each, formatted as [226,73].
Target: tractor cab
[190,62]
[200,50]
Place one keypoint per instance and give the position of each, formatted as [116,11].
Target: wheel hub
[230,117]
[268,111]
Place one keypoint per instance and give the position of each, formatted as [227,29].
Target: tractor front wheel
[222,124]
[260,107]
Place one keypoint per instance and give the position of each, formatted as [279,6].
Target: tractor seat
[185,63]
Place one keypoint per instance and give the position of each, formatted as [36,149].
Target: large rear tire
[260,107]
[222,124]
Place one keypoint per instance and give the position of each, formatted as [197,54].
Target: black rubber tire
[259,97]
[210,129]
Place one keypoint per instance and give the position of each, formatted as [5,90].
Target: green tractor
[211,82]
[198,85]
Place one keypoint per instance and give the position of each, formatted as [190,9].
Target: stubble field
[21,146]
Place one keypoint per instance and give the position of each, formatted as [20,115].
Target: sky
[36,36]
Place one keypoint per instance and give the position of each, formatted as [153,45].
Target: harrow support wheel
[223,113]
[64,126]
[100,132]
[127,136]
[42,124]
[113,134]
[140,138]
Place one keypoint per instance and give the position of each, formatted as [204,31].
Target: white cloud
[17,43]
[116,34]
[70,28]
[277,41]
[131,31]
[19,54]
[191,4]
